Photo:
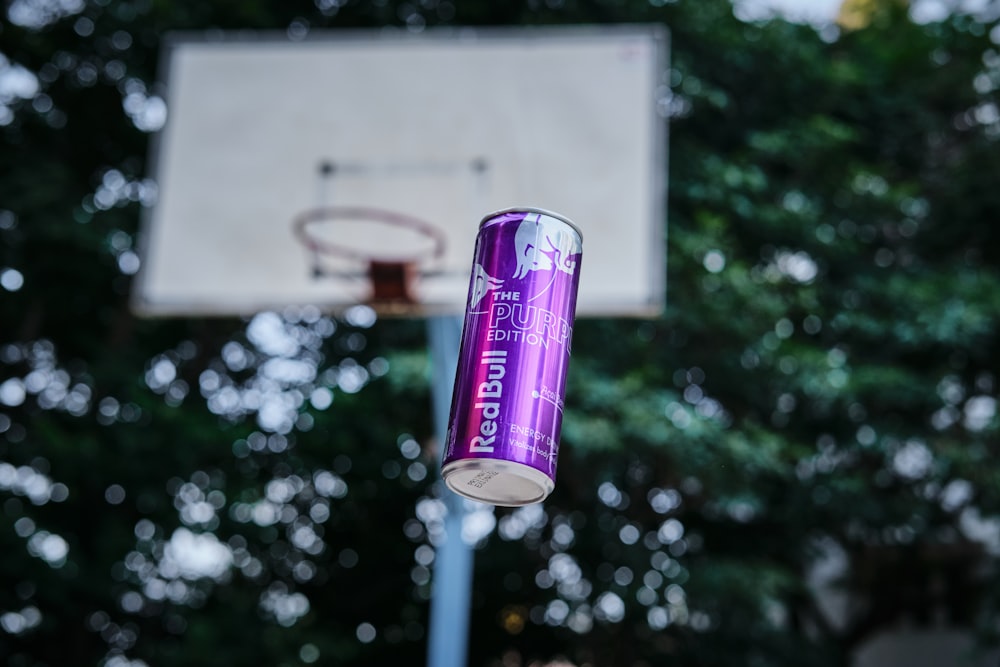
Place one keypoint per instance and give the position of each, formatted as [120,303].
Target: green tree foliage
[820,396]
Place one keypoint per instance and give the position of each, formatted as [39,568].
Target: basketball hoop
[391,275]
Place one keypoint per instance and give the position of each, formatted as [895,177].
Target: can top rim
[532,209]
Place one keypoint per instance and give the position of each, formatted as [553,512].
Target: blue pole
[452,579]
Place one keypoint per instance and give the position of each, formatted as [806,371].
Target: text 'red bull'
[492,387]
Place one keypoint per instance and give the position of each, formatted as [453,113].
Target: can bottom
[497,482]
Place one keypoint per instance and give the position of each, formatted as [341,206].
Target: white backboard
[372,130]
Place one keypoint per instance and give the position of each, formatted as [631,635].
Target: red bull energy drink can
[510,386]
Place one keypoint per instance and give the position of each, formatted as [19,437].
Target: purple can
[507,406]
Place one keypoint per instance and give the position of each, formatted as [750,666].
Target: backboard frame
[146,303]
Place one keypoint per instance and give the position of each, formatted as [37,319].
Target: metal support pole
[452,580]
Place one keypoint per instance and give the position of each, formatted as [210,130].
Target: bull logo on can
[540,244]
[482,282]
[543,247]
